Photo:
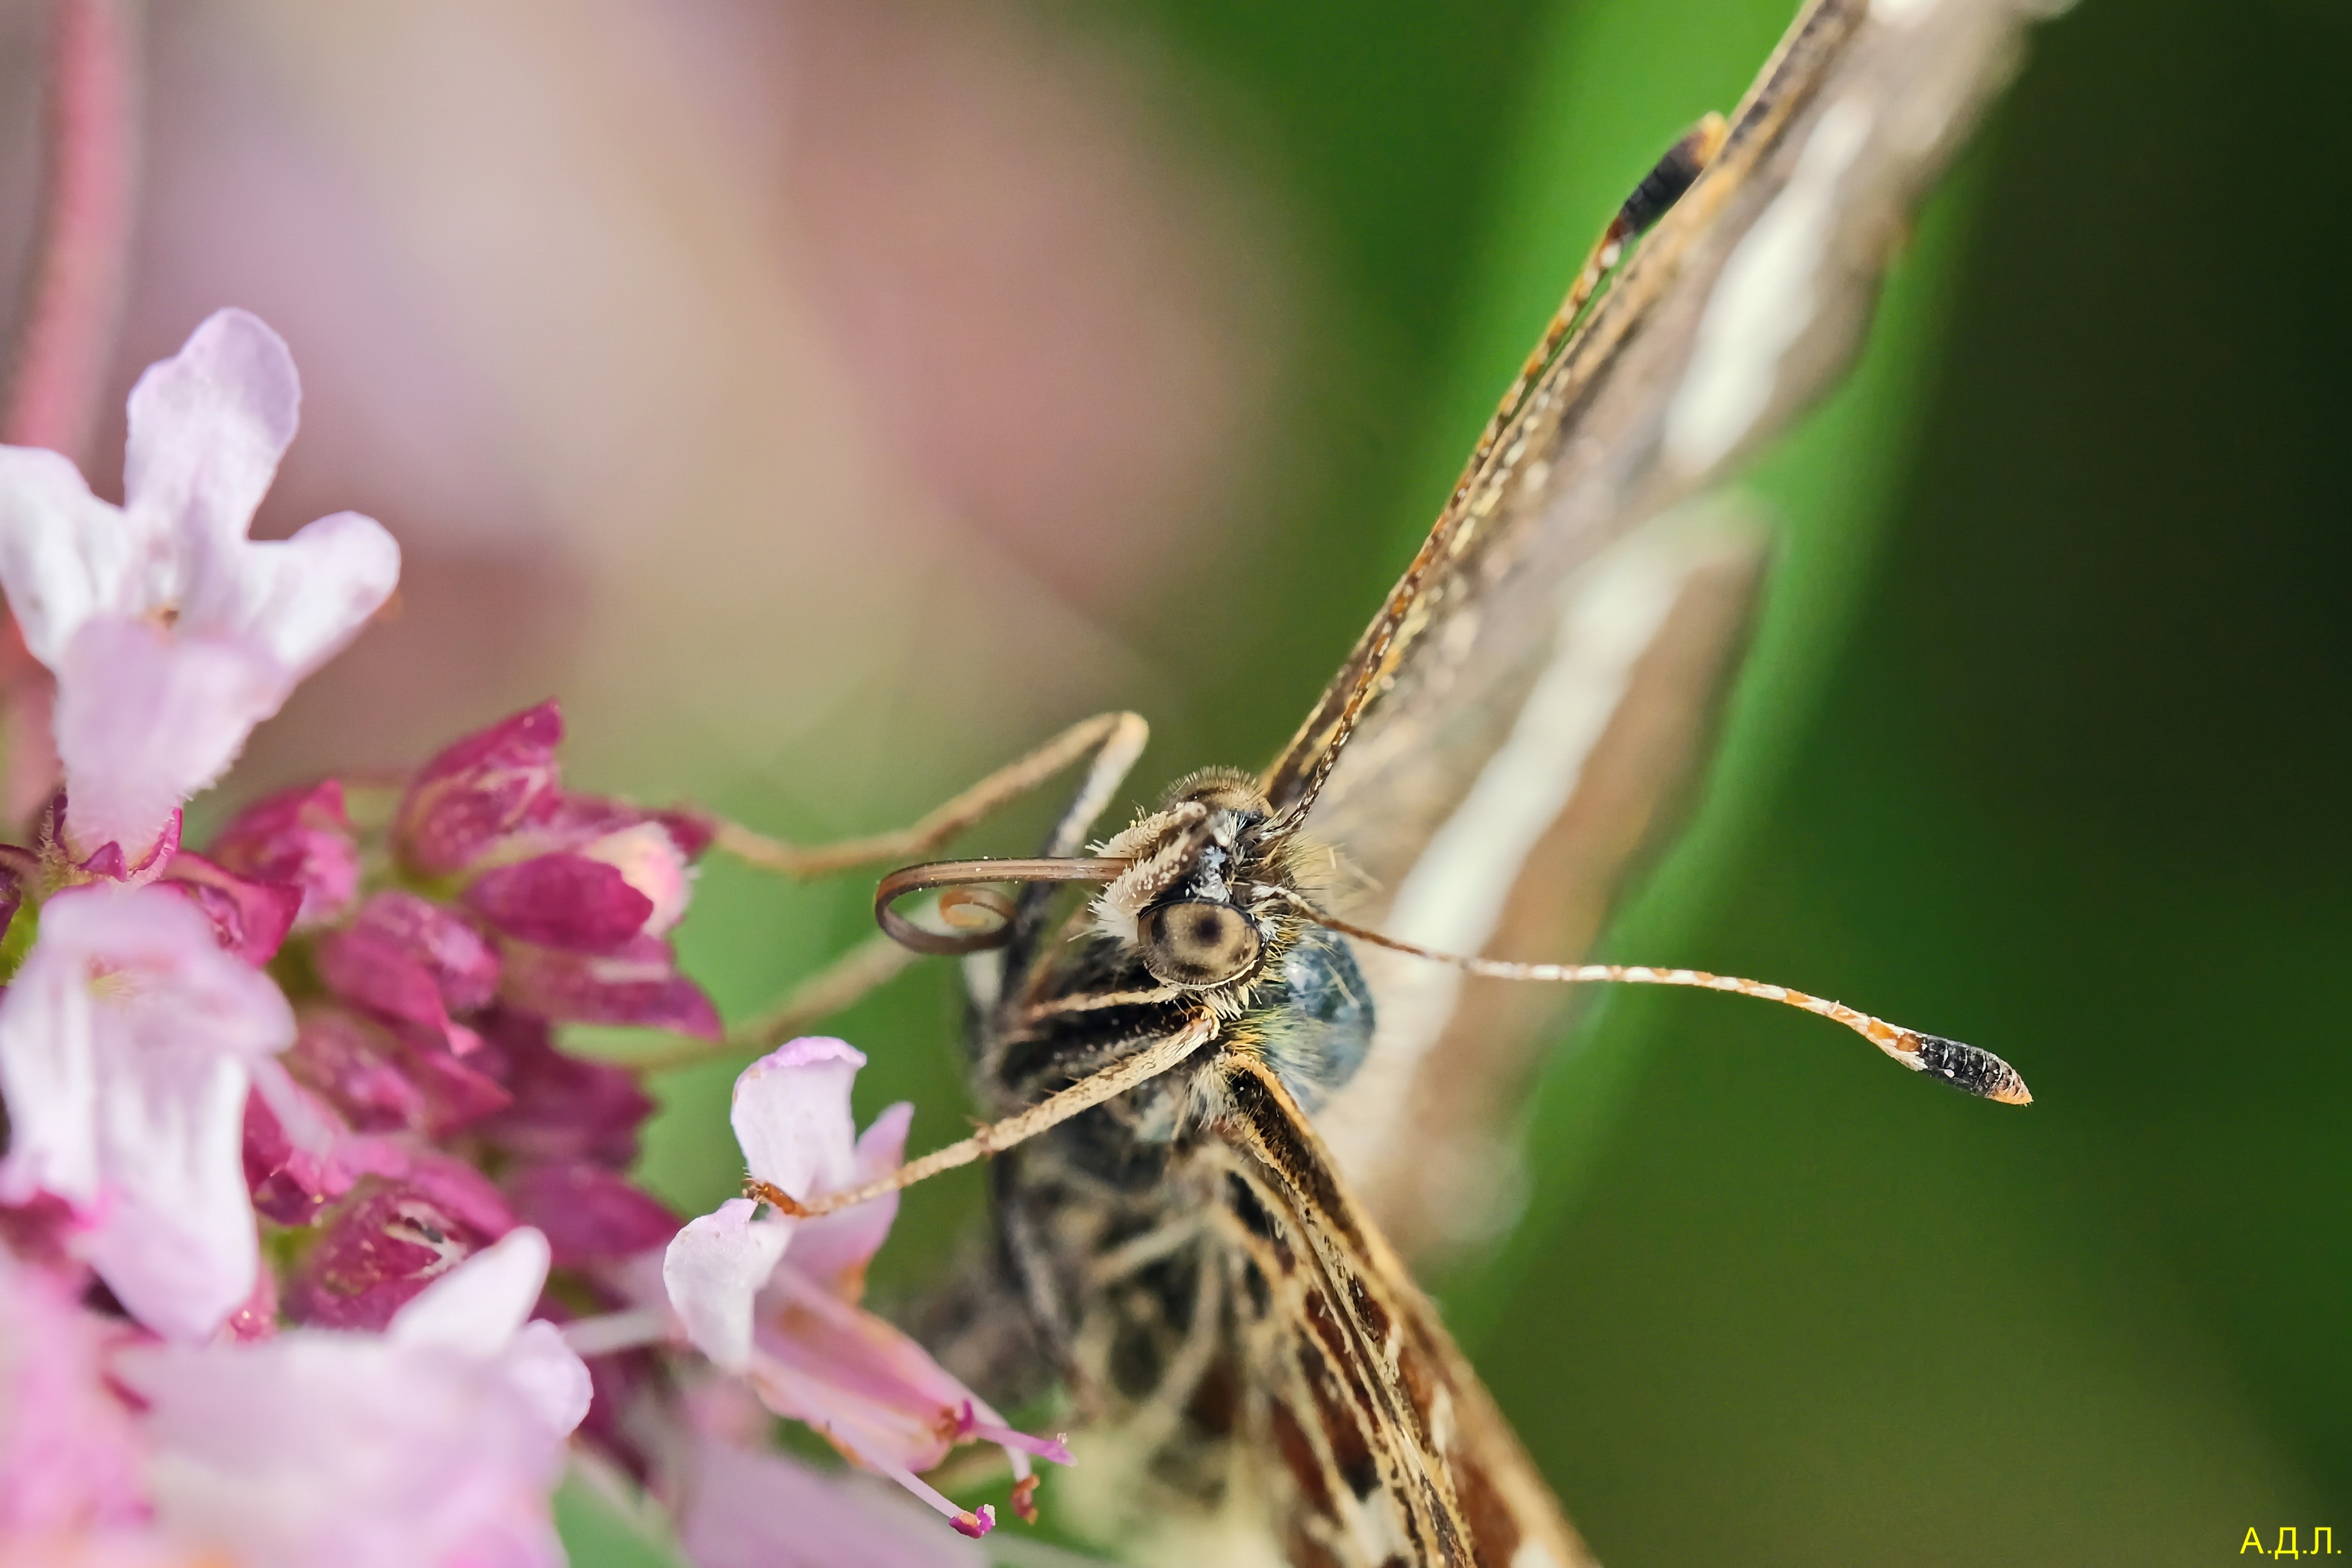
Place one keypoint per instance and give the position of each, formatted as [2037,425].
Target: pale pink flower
[171,634]
[70,1452]
[775,1300]
[128,1040]
[436,1444]
[749,1509]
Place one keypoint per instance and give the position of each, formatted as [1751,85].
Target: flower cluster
[315,1244]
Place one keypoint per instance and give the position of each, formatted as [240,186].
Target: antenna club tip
[1967,1068]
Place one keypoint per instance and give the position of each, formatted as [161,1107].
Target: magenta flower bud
[565,1108]
[251,918]
[561,900]
[288,1185]
[480,790]
[689,829]
[458,1091]
[591,1215]
[392,1077]
[639,984]
[357,1067]
[391,1240]
[302,837]
[409,959]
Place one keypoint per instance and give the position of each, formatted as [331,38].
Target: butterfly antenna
[1967,1067]
[985,915]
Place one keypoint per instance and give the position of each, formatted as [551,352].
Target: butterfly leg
[830,990]
[1116,740]
[1659,190]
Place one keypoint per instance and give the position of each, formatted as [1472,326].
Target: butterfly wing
[1378,1445]
[1739,307]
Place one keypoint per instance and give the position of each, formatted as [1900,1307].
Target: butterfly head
[1194,904]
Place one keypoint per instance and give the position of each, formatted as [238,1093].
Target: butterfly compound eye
[1196,942]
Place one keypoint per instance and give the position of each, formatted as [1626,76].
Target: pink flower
[775,1300]
[128,1041]
[433,1444]
[70,1453]
[749,1509]
[171,634]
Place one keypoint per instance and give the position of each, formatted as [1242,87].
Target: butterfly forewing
[1736,310]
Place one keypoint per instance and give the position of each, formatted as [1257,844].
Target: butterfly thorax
[1201,925]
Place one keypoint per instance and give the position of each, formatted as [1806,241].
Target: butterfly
[1247,1059]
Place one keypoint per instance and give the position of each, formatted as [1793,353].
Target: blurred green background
[2044,746]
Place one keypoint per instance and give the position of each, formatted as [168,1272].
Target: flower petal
[834,1251]
[549,1375]
[748,1510]
[565,1108]
[570,902]
[49,1078]
[478,1306]
[637,983]
[656,863]
[351,1449]
[251,919]
[176,1244]
[714,1268]
[390,1241]
[70,1453]
[589,1214]
[410,959]
[859,1379]
[791,1114]
[65,556]
[207,427]
[145,717]
[304,599]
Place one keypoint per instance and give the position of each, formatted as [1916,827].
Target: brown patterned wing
[1739,307]
[1737,310]
[1380,1449]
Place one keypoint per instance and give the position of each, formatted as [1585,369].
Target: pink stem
[73,303]
[65,342]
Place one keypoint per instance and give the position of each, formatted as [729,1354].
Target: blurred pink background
[803,393]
